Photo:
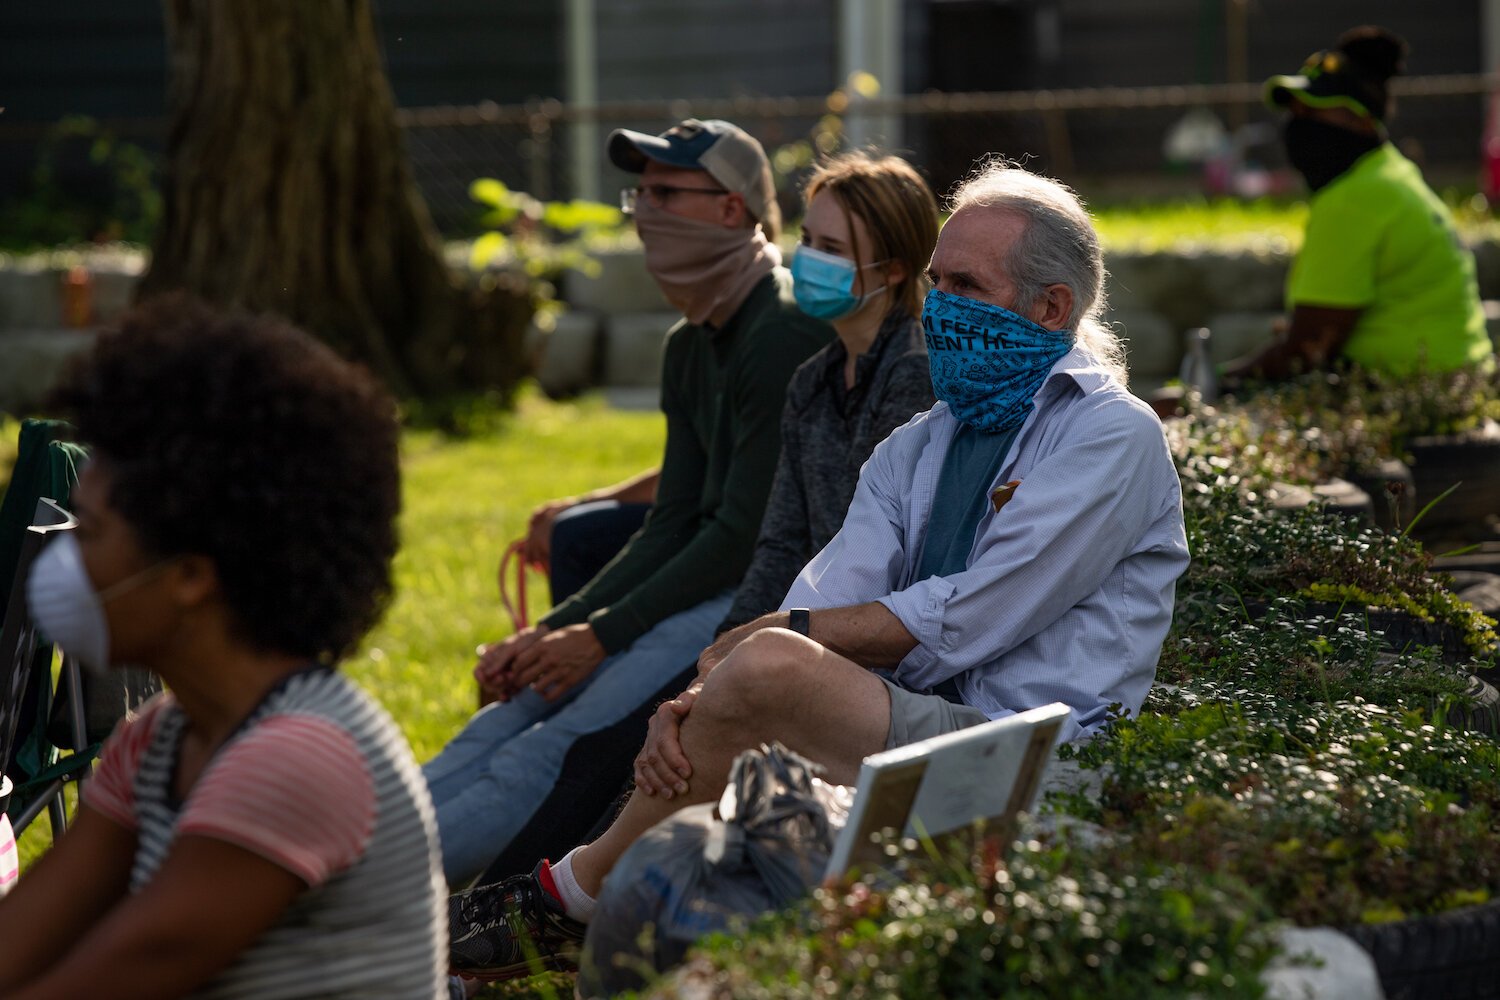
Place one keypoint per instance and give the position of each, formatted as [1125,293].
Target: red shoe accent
[544,876]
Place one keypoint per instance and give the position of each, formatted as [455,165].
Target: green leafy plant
[1309,658]
[1247,553]
[543,238]
[1325,424]
[1341,813]
[88,185]
[1057,919]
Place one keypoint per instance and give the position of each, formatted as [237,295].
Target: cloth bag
[764,845]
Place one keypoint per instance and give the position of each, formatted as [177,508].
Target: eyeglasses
[657,195]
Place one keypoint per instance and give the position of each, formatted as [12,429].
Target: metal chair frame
[19,644]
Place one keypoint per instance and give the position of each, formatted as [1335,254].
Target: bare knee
[758,676]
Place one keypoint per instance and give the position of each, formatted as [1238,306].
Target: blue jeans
[585,538]
[490,778]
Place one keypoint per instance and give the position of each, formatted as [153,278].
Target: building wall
[958,45]
[106,58]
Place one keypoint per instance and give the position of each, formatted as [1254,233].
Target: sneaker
[510,929]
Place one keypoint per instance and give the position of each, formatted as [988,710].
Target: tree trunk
[287,189]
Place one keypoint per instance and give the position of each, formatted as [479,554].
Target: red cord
[516,610]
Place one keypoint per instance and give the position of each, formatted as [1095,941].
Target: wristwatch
[801,620]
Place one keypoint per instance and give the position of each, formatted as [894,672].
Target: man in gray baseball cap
[726,152]
[706,213]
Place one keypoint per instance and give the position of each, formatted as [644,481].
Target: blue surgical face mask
[823,284]
[986,361]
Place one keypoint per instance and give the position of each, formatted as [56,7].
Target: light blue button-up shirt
[1068,591]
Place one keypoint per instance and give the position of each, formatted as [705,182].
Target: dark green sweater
[722,393]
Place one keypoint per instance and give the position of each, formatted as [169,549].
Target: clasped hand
[661,768]
[549,661]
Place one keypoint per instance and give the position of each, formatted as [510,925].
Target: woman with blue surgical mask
[860,244]
[869,230]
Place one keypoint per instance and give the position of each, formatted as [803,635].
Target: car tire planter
[1446,956]
[1471,460]
[1337,495]
[1403,631]
[1400,630]
[1482,714]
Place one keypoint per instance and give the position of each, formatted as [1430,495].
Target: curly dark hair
[243,439]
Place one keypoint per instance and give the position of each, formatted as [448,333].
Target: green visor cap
[1326,81]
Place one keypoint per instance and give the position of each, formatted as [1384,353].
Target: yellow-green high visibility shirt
[1380,241]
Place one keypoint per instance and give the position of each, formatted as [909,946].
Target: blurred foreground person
[261,830]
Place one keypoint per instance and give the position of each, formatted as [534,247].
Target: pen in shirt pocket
[1000,495]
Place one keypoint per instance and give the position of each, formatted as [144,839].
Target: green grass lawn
[1263,225]
[465,499]
[1221,224]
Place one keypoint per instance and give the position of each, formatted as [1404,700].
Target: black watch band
[800,620]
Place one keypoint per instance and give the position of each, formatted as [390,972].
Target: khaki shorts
[917,717]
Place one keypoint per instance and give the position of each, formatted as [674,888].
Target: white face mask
[66,607]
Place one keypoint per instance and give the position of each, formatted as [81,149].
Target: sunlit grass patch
[464,500]
[1224,224]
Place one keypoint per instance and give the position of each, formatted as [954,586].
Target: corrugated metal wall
[993,44]
[106,58]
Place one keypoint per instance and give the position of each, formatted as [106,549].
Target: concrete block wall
[1155,298]
[610,331]
[35,339]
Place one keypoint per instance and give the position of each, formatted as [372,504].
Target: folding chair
[26,693]
[49,735]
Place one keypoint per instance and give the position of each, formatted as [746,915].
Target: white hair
[1058,246]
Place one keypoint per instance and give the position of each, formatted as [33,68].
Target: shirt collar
[1079,367]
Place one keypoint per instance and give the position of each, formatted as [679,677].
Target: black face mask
[1321,152]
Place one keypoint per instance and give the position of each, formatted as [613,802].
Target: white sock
[576,903]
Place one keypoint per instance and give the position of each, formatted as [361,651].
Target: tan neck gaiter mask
[704,269]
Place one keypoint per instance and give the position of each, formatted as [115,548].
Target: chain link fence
[1097,139]
[1100,140]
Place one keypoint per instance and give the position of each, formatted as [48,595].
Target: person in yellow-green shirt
[1383,279]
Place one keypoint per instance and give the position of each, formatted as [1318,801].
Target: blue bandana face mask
[823,284]
[986,361]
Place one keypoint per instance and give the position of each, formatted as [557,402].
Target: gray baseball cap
[730,155]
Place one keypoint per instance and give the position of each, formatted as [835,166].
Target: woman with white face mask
[868,233]
[261,821]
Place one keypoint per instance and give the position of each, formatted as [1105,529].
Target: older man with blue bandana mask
[1017,544]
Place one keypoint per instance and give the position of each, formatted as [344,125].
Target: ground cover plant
[1325,424]
[1293,764]
[1247,554]
[1057,920]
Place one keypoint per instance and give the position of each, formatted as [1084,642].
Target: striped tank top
[373,929]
